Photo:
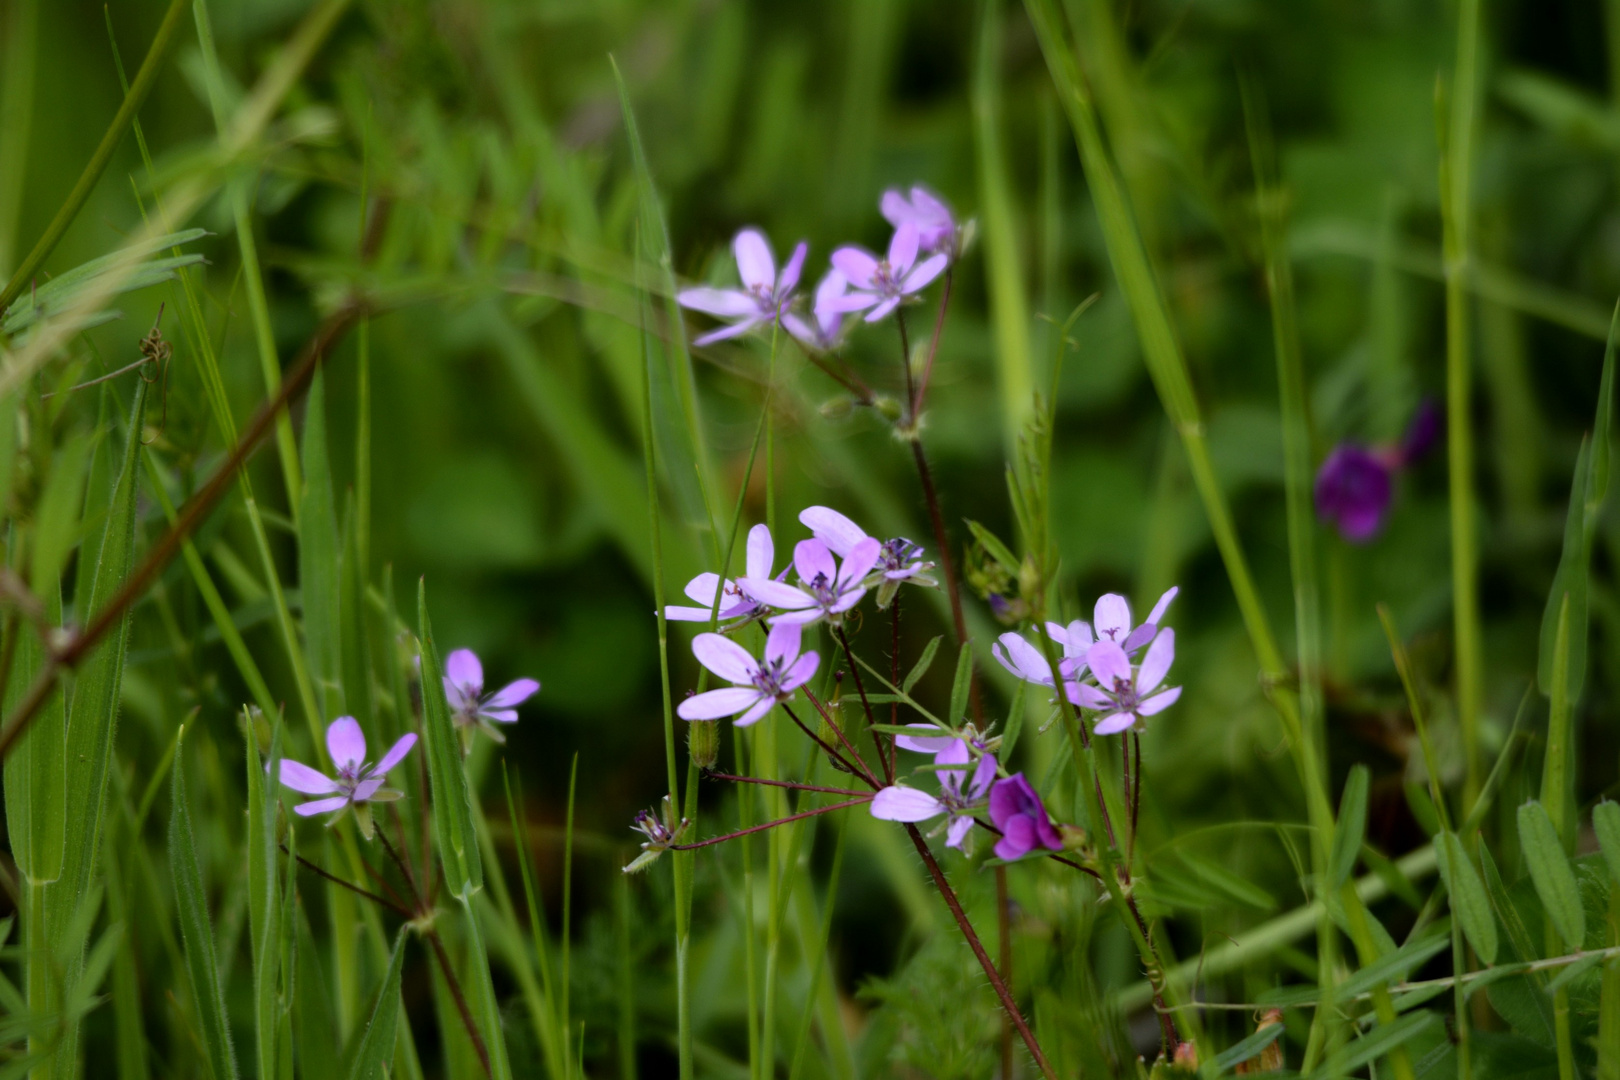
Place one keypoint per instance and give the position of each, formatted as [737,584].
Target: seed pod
[703,742]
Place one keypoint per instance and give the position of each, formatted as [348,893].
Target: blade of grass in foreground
[376,1049]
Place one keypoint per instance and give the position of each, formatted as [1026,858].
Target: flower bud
[888,408]
[1186,1059]
[836,408]
[703,742]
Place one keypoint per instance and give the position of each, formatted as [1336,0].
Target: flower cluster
[1356,484]
[926,239]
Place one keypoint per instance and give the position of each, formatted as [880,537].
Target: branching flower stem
[794,785]
[860,688]
[858,766]
[800,816]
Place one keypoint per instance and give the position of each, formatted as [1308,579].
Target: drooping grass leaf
[1469,902]
[1376,1043]
[1551,873]
[61,292]
[453,831]
[1351,827]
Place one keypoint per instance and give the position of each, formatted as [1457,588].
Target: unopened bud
[836,408]
[1186,1059]
[1074,837]
[1029,578]
[888,408]
[1271,1058]
[703,742]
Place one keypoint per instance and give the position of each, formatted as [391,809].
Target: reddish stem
[711,841]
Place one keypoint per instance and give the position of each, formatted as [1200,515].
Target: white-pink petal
[724,657]
[761,552]
[755,265]
[858,266]
[860,560]
[713,704]
[905,804]
[757,712]
[1159,702]
[1156,664]
[924,744]
[302,778]
[395,755]
[721,303]
[1112,618]
[782,643]
[777,594]
[345,742]
[321,806]
[833,529]
[462,668]
[1114,723]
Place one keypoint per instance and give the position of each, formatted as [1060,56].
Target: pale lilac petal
[895,207]
[811,560]
[1140,636]
[858,265]
[954,754]
[924,744]
[717,703]
[1114,723]
[761,551]
[801,330]
[883,309]
[1156,616]
[682,613]
[833,529]
[1156,664]
[929,269]
[460,697]
[513,693]
[847,303]
[755,265]
[905,804]
[702,588]
[803,668]
[929,207]
[1113,617]
[1109,663]
[345,741]
[721,303]
[790,272]
[1058,633]
[957,831]
[803,617]
[462,667]
[1159,702]
[1024,660]
[983,777]
[300,777]
[860,560]
[365,789]
[847,600]
[724,657]
[782,643]
[1089,696]
[903,248]
[757,713]
[1080,635]
[395,755]
[321,806]
[777,594]
[725,332]
[833,284]
[500,716]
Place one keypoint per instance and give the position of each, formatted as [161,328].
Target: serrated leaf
[920,668]
[376,1050]
[453,831]
[1469,902]
[1552,874]
[962,684]
[1606,824]
[1351,828]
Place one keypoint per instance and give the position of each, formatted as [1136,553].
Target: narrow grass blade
[481,994]
[924,662]
[1606,824]
[1469,902]
[1351,828]
[1380,1041]
[376,1050]
[453,831]
[1558,771]
[318,558]
[197,932]
[1551,873]
[962,683]
[264,894]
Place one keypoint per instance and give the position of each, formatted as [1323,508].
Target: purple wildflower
[826,587]
[936,228]
[736,606]
[469,705]
[357,781]
[881,284]
[958,796]
[1025,661]
[924,744]
[765,294]
[1353,490]
[1124,695]
[898,560]
[1112,620]
[1017,811]
[826,321]
[758,685]
[1423,432]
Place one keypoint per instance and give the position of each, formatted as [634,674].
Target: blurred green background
[505,410]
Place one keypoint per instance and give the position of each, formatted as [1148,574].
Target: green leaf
[197,933]
[1552,874]
[1606,823]
[1506,910]
[376,1050]
[264,894]
[962,684]
[1469,902]
[318,558]
[1239,1052]
[452,801]
[994,547]
[920,668]
[481,992]
[36,769]
[1351,828]
[1015,721]
[355,646]
[56,520]
[1376,1043]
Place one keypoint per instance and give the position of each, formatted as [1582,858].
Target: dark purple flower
[764,297]
[1423,432]
[1017,811]
[1353,491]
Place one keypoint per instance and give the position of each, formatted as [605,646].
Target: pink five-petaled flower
[357,781]
[826,587]
[736,606]
[826,321]
[1113,623]
[765,294]
[881,284]
[1025,661]
[958,796]
[936,228]
[899,560]
[469,705]
[758,685]
[1017,811]
[1126,696]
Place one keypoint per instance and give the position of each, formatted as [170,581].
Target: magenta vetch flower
[899,560]
[1356,484]
[881,284]
[1125,695]
[1017,811]
[736,606]
[826,589]
[958,796]
[758,684]
[765,294]
[826,321]
[469,705]
[357,781]
[927,212]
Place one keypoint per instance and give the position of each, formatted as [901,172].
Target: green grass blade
[319,571]
[1382,1040]
[486,1008]
[1557,771]
[1606,824]
[1551,873]
[264,895]
[1469,901]
[197,932]
[376,1050]
[1351,828]
[453,831]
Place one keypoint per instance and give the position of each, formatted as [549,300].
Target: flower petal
[395,755]
[500,716]
[883,309]
[345,741]
[790,273]
[761,551]
[905,804]
[803,668]
[1112,617]
[801,330]
[1156,616]
[804,616]
[513,693]
[833,284]
[321,806]
[1156,664]
[926,271]
[1114,723]
[811,560]
[702,588]
[896,208]
[1017,839]
[903,248]
[713,704]
[956,753]
[1159,702]
[1089,696]
[983,777]
[1023,659]
[924,744]
[957,831]
[833,529]
[848,302]
[365,789]
[300,777]
[462,667]
[861,558]
[725,332]
[755,265]
[847,599]
[776,594]
[757,712]
[1109,663]
[725,658]
[782,643]
[721,303]
[681,613]
[858,265]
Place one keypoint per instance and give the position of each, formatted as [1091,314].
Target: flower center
[883,279]
[823,590]
[768,677]
[899,553]
[1124,694]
